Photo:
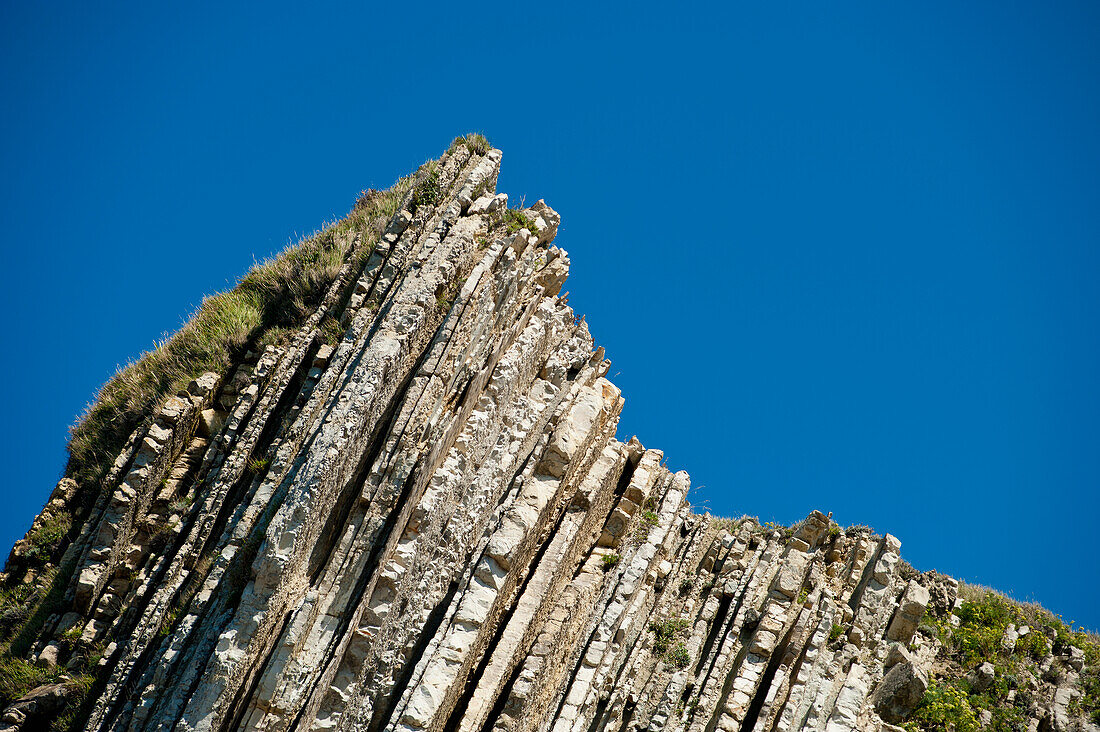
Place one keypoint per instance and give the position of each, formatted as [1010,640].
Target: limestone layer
[431,525]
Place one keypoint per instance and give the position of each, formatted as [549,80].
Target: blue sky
[843,256]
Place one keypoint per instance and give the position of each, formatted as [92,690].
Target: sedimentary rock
[428,523]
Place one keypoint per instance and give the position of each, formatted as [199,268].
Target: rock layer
[430,525]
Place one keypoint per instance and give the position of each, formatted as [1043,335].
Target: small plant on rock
[678,656]
[48,535]
[515,220]
[427,188]
[331,331]
[610,560]
[665,632]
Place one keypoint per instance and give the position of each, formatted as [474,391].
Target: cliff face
[410,512]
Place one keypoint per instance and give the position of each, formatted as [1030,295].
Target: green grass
[274,336]
[610,560]
[17,677]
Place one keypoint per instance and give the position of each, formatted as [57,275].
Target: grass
[610,560]
[274,336]
[331,331]
[181,504]
[18,676]
[43,598]
[427,185]
[475,142]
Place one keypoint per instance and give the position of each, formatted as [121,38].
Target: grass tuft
[475,142]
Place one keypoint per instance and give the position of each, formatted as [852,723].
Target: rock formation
[405,508]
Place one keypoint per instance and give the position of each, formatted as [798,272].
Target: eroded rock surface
[430,524]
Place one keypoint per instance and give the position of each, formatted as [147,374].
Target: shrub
[1034,644]
[46,538]
[944,707]
[983,623]
[610,560]
[835,632]
[514,220]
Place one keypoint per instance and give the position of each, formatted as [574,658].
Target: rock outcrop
[411,512]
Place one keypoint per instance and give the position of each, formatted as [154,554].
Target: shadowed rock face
[430,525]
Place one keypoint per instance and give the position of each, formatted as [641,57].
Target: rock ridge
[410,512]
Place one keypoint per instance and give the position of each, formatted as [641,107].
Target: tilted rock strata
[431,526]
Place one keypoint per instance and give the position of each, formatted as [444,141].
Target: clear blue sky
[843,256]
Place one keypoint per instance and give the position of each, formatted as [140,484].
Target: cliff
[378,487]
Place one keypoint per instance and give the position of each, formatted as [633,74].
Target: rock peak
[377,486]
